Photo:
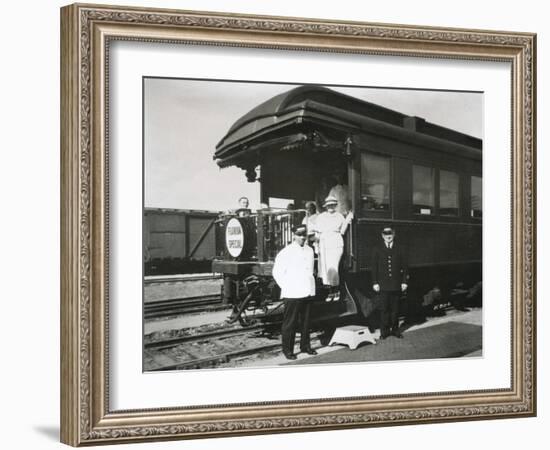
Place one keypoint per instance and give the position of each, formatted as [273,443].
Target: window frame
[376,213]
[458,191]
[470,209]
[435,186]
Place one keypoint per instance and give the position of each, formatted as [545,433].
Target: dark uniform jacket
[389,266]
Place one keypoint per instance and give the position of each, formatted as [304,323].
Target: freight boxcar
[178,241]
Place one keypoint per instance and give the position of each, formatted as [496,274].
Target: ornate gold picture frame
[87,33]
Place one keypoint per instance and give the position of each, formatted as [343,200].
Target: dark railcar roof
[332,107]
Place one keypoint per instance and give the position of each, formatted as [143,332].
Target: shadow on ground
[50,432]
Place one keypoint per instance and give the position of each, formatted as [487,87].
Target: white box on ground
[352,336]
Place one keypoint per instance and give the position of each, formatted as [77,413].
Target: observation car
[422,179]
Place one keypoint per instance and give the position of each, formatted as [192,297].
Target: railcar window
[448,193]
[423,190]
[375,182]
[475,198]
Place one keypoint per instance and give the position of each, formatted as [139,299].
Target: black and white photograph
[307,224]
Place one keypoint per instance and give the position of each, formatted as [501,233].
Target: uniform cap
[388,230]
[299,230]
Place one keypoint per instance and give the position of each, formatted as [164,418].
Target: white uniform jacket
[293,271]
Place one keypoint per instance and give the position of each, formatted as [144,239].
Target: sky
[185,119]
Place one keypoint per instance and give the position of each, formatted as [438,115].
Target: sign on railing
[234,237]
[258,237]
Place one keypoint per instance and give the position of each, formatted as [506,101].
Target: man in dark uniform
[389,279]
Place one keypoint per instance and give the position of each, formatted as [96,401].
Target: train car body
[422,179]
[178,240]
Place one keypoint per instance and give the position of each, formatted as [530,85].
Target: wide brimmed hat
[330,200]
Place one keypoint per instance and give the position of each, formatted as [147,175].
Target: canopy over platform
[316,116]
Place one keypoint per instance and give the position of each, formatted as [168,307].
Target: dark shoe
[309,351]
[290,356]
[384,336]
[397,334]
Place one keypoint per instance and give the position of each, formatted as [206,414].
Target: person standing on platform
[243,210]
[293,272]
[331,226]
[389,278]
[339,191]
[309,221]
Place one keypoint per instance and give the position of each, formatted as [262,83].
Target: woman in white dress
[331,226]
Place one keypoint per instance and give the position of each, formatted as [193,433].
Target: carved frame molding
[86,32]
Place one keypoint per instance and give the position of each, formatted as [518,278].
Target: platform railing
[273,230]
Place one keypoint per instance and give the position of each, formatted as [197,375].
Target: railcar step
[352,336]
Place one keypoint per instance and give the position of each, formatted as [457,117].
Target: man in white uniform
[293,272]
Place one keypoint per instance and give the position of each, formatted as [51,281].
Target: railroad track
[212,361]
[209,349]
[186,305]
[181,278]
[172,342]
